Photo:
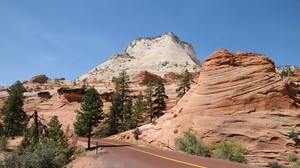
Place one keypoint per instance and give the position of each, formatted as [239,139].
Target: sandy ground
[88,159]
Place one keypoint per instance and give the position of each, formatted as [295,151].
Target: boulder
[39,79]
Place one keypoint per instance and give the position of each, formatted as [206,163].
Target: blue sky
[66,38]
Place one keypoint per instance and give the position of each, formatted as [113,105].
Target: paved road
[125,155]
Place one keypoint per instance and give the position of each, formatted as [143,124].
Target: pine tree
[12,113]
[185,84]
[138,110]
[89,115]
[114,115]
[150,98]
[121,86]
[55,133]
[159,101]
[127,120]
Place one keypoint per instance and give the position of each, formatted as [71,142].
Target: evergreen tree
[55,133]
[185,84]
[149,99]
[159,101]
[138,110]
[121,86]
[114,115]
[12,113]
[89,115]
[128,118]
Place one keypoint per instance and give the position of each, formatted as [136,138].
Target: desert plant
[191,145]
[229,151]
[275,165]
[136,133]
[293,135]
[292,157]
[295,164]
[40,156]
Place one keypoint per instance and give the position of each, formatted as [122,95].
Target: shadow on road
[107,146]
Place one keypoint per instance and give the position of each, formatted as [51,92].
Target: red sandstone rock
[239,97]
[144,77]
[72,95]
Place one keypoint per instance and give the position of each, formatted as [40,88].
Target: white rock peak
[158,55]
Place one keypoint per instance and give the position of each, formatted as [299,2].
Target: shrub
[293,135]
[40,156]
[275,165]
[136,133]
[191,145]
[3,143]
[229,151]
[292,157]
[295,164]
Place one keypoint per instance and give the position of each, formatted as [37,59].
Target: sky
[67,38]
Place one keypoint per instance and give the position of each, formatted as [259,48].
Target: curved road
[125,155]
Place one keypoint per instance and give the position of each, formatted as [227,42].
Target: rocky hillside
[159,55]
[239,97]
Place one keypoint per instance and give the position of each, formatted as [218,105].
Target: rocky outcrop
[157,55]
[39,79]
[107,96]
[144,77]
[72,94]
[44,95]
[239,97]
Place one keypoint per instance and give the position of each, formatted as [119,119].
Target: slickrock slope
[239,97]
[157,55]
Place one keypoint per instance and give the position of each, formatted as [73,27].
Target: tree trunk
[89,137]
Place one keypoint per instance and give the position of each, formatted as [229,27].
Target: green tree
[138,110]
[89,115]
[114,115]
[149,99]
[159,101]
[121,86]
[128,117]
[185,84]
[55,132]
[12,113]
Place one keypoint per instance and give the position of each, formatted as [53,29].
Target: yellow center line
[160,156]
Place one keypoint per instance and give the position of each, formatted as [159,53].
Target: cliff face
[157,55]
[239,97]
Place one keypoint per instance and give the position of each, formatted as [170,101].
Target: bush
[191,145]
[40,156]
[136,133]
[295,164]
[3,143]
[275,165]
[229,151]
[292,157]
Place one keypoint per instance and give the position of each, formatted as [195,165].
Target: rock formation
[157,55]
[144,77]
[39,79]
[72,94]
[45,95]
[239,97]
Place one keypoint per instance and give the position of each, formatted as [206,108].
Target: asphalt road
[125,155]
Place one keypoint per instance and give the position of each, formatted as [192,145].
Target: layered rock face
[239,97]
[157,55]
